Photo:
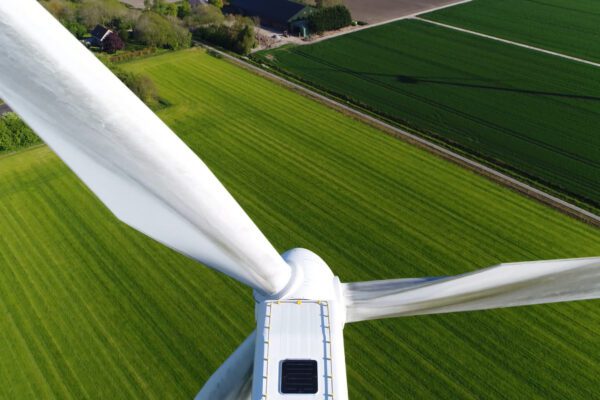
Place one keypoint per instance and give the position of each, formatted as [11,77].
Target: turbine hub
[311,278]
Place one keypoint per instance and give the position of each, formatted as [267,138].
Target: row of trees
[79,16]
[234,33]
[161,24]
[15,134]
[158,26]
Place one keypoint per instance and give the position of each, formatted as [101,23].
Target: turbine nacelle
[299,347]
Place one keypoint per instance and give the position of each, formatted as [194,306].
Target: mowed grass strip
[571,27]
[527,112]
[92,308]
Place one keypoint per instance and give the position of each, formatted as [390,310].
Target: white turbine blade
[233,379]
[129,158]
[504,285]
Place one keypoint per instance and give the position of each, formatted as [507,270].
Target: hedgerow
[15,134]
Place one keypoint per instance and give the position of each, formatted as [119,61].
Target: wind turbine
[152,181]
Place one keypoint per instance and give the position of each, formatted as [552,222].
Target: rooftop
[273,10]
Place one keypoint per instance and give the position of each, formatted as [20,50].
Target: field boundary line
[526,46]
[389,21]
[489,172]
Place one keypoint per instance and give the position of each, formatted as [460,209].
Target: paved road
[506,180]
[553,53]
[4,109]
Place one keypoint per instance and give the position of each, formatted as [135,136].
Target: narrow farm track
[511,42]
[91,308]
[570,27]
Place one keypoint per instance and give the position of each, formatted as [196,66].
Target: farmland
[571,27]
[527,112]
[375,11]
[90,308]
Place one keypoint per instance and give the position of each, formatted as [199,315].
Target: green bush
[329,18]
[152,29]
[216,3]
[78,30]
[239,37]
[141,85]
[15,134]
[203,15]
[130,55]
[101,12]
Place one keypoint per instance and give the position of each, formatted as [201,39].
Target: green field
[91,309]
[527,112]
[570,27]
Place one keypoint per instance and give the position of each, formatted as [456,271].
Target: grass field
[525,111]
[91,309]
[571,27]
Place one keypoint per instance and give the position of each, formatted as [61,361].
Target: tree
[155,30]
[78,30]
[184,9]
[245,40]
[112,43]
[205,14]
[15,134]
[330,18]
[157,5]
[216,3]
[328,3]
[162,7]
[60,9]
[100,12]
[141,85]
[171,10]
[237,34]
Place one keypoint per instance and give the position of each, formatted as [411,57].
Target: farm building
[283,15]
[98,34]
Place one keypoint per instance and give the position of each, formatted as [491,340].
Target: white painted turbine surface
[129,158]
[504,285]
[233,379]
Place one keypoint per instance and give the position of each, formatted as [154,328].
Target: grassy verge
[90,308]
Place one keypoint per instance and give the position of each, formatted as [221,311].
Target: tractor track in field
[497,176]
[511,42]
